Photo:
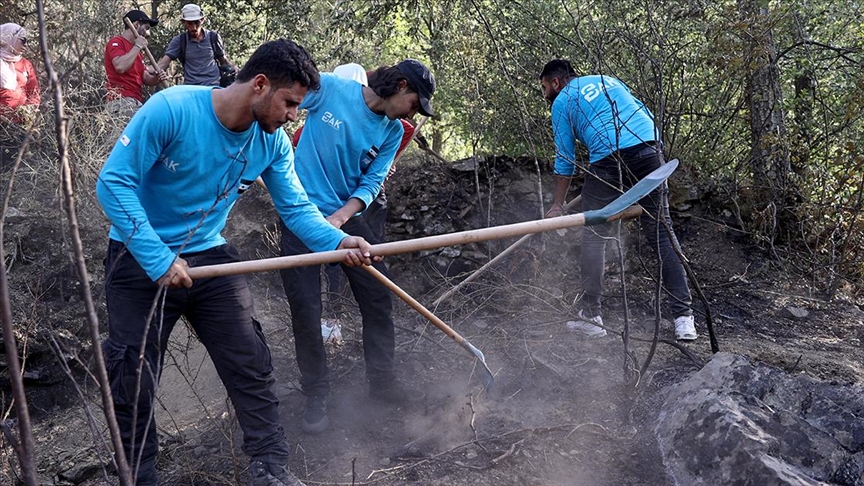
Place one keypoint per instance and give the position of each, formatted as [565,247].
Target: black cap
[139,16]
[422,80]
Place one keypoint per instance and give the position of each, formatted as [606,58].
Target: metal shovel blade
[484,374]
[633,195]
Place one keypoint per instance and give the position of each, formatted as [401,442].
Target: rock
[384,462]
[524,186]
[794,313]
[736,422]
[471,454]
[467,165]
[451,252]
[82,471]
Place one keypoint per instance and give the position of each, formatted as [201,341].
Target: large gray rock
[738,422]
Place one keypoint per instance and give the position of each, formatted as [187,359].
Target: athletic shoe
[588,326]
[315,418]
[266,474]
[685,330]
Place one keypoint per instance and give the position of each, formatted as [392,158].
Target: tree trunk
[805,93]
[769,156]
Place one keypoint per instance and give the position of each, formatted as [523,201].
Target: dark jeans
[303,289]
[637,162]
[376,218]
[220,312]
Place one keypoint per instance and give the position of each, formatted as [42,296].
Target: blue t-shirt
[345,149]
[600,112]
[176,172]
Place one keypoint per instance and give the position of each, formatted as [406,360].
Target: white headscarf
[9,35]
[352,71]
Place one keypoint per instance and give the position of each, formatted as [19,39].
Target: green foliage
[690,61]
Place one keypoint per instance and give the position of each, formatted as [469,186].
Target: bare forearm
[346,212]
[562,184]
[150,79]
[123,63]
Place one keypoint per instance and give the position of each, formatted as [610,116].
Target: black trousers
[303,290]
[220,311]
[601,183]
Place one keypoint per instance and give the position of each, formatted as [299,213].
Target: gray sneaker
[268,474]
[315,420]
[589,326]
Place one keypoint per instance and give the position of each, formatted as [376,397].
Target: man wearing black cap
[348,144]
[124,66]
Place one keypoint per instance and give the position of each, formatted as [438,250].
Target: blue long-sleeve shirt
[345,149]
[176,172]
[600,112]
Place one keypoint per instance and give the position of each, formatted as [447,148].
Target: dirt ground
[561,411]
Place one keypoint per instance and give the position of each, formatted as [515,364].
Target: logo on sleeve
[125,140]
[331,120]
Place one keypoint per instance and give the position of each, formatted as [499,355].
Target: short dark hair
[557,68]
[384,81]
[284,63]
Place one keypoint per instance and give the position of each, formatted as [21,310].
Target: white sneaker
[587,326]
[685,330]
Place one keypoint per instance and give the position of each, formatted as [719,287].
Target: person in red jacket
[125,69]
[19,86]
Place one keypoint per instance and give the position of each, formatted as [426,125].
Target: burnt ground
[562,410]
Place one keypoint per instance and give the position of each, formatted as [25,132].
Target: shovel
[408,246]
[627,198]
[485,373]
[620,208]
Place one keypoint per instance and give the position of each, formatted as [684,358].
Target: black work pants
[220,312]
[601,187]
[303,289]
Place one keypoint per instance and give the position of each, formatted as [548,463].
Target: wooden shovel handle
[414,303]
[405,246]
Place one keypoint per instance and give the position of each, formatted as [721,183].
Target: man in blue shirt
[623,147]
[167,187]
[350,138]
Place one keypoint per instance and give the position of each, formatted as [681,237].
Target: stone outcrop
[736,422]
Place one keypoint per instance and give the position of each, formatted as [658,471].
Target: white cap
[352,71]
[190,11]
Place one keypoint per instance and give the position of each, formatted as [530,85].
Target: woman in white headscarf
[19,86]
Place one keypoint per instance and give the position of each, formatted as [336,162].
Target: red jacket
[27,92]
